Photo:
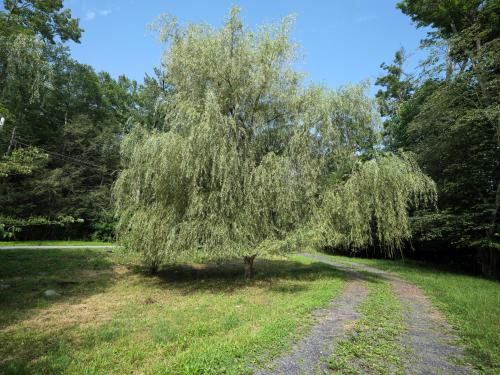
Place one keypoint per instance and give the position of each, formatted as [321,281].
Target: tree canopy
[59,143]
[246,150]
[226,151]
[47,19]
[448,115]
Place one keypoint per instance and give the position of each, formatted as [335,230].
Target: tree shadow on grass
[25,275]
[78,274]
[284,276]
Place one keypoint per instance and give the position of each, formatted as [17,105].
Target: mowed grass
[471,304]
[54,243]
[111,318]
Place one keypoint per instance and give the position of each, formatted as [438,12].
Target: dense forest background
[63,123]
[447,113]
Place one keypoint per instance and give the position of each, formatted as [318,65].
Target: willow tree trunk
[249,266]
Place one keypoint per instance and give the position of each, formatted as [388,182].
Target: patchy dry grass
[111,318]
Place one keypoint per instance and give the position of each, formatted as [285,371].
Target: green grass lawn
[111,318]
[472,305]
[54,243]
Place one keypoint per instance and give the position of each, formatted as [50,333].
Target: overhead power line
[67,158]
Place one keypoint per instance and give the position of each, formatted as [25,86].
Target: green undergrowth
[372,346]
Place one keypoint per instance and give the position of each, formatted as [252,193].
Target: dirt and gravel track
[428,339]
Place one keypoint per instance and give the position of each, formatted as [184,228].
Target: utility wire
[67,158]
[59,155]
[62,156]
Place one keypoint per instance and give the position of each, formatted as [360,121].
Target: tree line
[447,113]
[62,127]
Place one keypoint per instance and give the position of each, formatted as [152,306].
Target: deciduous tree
[246,151]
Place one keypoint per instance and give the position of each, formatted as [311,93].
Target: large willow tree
[245,153]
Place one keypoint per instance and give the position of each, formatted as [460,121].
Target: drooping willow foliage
[371,208]
[244,153]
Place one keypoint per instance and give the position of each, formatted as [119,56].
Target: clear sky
[342,41]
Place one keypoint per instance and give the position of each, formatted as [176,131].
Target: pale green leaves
[371,208]
[22,161]
[246,153]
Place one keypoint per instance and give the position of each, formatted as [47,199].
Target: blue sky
[342,41]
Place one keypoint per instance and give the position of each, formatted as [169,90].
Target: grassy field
[53,243]
[472,305]
[111,318]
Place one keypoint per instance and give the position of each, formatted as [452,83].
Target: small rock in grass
[51,293]
[4,286]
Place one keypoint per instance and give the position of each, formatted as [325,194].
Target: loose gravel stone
[429,339]
[51,293]
[309,355]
